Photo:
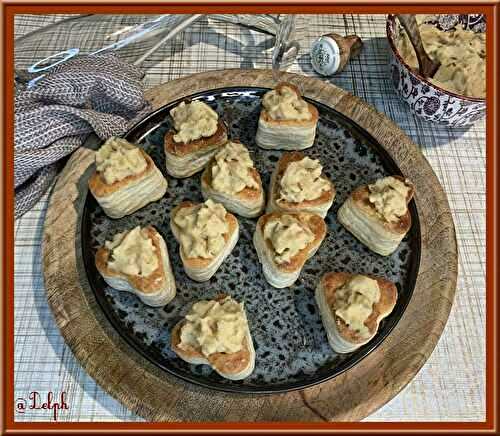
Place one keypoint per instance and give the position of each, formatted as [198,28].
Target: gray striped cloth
[97,94]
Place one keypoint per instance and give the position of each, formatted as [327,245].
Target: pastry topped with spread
[216,333]
[287,236]
[285,103]
[461,54]
[118,159]
[389,198]
[284,241]
[230,178]
[297,184]
[197,134]
[377,214]
[286,120]
[206,233]
[137,261]
[193,121]
[125,179]
[352,306]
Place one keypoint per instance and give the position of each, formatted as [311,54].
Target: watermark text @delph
[35,401]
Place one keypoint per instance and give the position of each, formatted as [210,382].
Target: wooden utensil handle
[426,65]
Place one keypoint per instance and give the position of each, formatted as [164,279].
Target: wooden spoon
[426,65]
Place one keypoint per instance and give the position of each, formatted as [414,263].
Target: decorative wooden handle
[426,65]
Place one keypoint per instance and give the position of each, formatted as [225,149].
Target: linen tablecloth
[451,385]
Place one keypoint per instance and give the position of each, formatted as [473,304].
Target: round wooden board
[351,396]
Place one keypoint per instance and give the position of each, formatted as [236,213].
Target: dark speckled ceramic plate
[292,351]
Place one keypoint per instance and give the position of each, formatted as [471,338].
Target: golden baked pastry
[286,121]
[297,185]
[230,178]
[197,135]
[126,178]
[137,261]
[216,333]
[377,214]
[352,306]
[206,233]
[284,241]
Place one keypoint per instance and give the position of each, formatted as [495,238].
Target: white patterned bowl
[425,99]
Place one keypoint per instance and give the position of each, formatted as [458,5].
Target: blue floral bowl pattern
[425,99]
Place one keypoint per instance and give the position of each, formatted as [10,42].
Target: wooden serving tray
[157,396]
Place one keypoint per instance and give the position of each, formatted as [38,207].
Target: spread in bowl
[462,54]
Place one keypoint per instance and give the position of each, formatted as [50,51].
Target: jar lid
[325,56]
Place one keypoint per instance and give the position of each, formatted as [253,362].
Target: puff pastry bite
[284,241]
[216,333]
[352,306]
[297,185]
[231,179]
[126,178]
[378,215]
[286,121]
[137,261]
[206,233]
[197,135]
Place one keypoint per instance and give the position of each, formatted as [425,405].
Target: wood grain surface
[156,396]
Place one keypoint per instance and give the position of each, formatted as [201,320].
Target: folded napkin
[99,94]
